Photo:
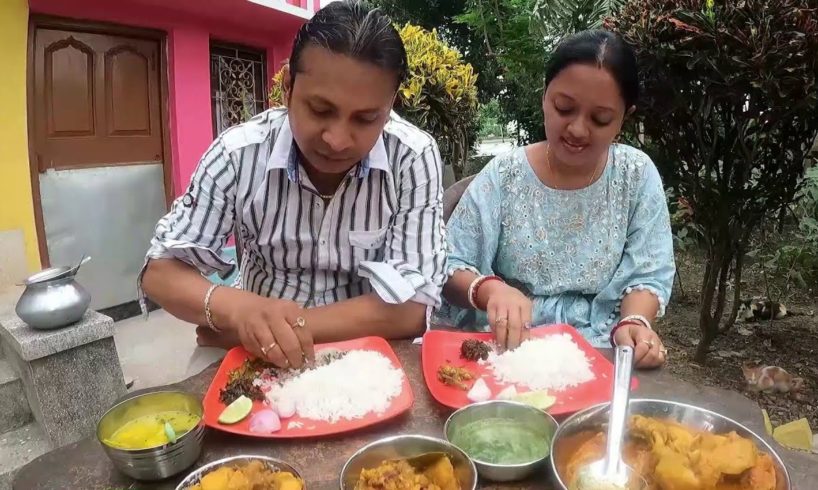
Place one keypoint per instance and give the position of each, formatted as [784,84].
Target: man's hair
[352,28]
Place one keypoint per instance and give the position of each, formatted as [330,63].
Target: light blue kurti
[574,253]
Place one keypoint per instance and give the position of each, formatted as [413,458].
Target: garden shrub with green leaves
[729,111]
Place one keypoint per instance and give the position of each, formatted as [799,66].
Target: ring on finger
[501,321]
[299,323]
[527,325]
[650,343]
[265,350]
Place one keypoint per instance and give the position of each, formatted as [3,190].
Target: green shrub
[729,106]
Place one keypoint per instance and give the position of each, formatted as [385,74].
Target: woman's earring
[618,139]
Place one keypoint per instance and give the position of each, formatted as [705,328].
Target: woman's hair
[352,28]
[603,49]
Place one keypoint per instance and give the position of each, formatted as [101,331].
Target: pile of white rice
[554,363]
[361,382]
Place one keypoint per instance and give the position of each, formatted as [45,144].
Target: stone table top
[84,464]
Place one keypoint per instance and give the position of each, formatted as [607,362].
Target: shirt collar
[285,157]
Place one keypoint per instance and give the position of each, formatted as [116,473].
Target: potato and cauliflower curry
[254,475]
[672,457]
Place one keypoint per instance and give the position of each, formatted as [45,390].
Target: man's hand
[268,328]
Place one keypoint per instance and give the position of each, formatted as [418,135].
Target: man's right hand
[267,328]
[509,312]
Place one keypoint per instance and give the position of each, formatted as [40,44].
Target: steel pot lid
[48,275]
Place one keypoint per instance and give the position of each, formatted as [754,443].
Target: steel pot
[53,299]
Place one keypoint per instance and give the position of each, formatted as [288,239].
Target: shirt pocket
[368,239]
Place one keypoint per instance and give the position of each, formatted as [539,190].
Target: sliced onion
[265,422]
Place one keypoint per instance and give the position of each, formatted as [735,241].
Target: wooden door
[98,160]
[96,100]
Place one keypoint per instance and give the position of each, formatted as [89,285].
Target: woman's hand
[648,350]
[509,313]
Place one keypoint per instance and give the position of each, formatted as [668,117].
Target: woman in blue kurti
[571,230]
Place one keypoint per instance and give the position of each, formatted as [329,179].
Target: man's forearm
[180,289]
[363,316]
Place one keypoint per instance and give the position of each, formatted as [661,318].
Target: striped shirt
[382,230]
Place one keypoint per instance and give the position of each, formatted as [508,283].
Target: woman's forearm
[456,289]
[642,303]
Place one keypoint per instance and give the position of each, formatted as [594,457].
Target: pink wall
[190,25]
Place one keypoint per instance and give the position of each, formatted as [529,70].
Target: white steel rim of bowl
[205,469]
[495,465]
[391,439]
[595,408]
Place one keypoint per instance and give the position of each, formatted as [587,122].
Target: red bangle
[621,324]
[476,286]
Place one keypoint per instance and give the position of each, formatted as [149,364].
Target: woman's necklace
[551,170]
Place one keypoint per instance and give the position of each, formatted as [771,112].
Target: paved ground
[161,350]
[155,352]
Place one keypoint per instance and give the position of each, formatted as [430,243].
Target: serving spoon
[611,472]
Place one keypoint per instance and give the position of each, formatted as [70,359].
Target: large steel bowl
[407,446]
[596,418]
[537,421]
[156,463]
[233,461]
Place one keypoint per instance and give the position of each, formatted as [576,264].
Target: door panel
[96,95]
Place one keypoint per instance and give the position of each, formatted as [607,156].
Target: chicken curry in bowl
[671,456]
[667,440]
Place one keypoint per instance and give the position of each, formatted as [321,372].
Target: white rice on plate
[554,362]
[361,382]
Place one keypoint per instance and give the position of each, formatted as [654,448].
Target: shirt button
[323,242]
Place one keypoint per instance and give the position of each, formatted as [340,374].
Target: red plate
[440,347]
[311,428]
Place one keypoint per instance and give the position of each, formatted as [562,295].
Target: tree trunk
[704,347]
[736,290]
[708,292]
[714,292]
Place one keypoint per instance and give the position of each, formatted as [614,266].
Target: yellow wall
[16,207]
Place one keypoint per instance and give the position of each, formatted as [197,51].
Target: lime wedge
[236,411]
[537,399]
[768,425]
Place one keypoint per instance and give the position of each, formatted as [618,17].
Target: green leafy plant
[729,108]
[794,260]
[440,95]
[520,35]
[491,121]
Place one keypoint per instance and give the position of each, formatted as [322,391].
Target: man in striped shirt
[335,204]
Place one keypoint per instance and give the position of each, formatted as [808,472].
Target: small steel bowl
[407,446]
[272,463]
[534,418]
[156,463]
[596,418]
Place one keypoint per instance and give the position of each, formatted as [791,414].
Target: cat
[771,379]
[751,310]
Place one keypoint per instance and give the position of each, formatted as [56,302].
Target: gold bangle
[208,313]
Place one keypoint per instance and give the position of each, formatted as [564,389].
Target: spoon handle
[619,408]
